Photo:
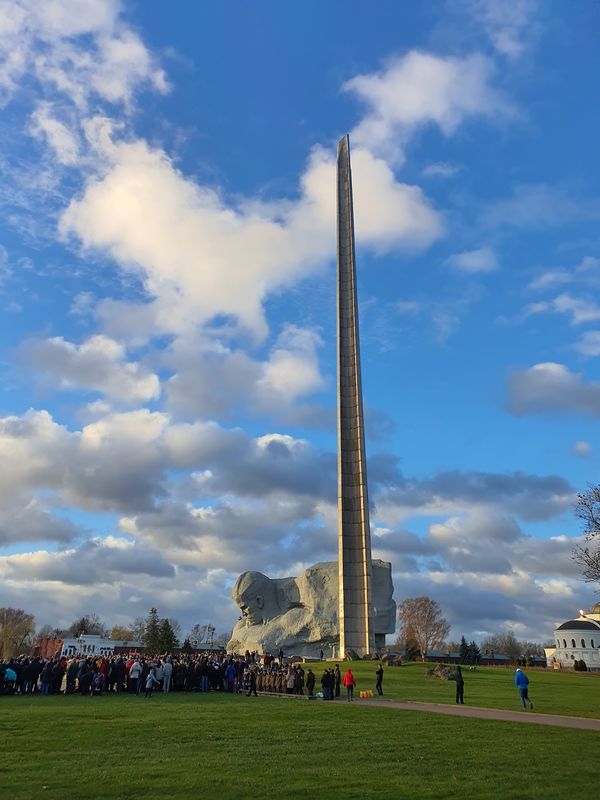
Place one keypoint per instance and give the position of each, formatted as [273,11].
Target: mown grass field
[231,746]
[570,693]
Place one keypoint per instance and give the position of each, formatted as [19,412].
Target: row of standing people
[95,675]
[89,674]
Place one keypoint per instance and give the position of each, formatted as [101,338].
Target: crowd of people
[138,674]
[204,672]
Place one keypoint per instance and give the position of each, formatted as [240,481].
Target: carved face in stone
[256,596]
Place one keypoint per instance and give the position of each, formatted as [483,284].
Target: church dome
[578,625]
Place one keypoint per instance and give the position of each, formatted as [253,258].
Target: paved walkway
[582,723]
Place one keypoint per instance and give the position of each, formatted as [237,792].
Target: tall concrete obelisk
[354,537]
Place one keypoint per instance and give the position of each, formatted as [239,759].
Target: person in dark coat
[46,678]
[327,685]
[379,679]
[252,682]
[119,674]
[30,676]
[460,686]
[190,677]
[143,676]
[85,680]
[338,680]
[310,682]
[38,671]
[57,676]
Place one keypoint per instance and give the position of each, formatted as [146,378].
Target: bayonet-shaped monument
[347,607]
[354,536]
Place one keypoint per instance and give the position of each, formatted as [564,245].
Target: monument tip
[344,143]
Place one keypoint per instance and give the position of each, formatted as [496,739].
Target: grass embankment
[227,746]
[569,693]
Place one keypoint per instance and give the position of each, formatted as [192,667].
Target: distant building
[577,640]
[86,644]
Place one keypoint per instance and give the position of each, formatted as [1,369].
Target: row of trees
[423,629]
[18,632]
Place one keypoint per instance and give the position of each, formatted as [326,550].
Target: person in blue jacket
[522,682]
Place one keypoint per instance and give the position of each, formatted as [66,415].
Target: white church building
[577,640]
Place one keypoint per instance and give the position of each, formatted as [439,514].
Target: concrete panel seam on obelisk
[354,537]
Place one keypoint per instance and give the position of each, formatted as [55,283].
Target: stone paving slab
[582,723]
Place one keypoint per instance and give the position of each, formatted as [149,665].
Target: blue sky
[167,286]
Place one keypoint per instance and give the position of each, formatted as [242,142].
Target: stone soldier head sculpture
[256,596]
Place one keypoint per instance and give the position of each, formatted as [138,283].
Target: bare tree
[47,631]
[138,629]
[17,629]
[505,644]
[587,509]
[222,638]
[533,648]
[175,627]
[120,633]
[198,633]
[421,621]
[90,624]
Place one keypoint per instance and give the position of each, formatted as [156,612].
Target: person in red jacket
[349,683]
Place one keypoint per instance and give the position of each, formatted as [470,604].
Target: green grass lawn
[226,746]
[570,693]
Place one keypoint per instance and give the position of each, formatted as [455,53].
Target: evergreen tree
[464,651]
[151,637]
[187,647]
[166,637]
[474,653]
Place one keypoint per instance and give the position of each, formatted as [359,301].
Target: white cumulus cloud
[82,50]
[200,255]
[419,89]
[582,448]
[552,387]
[473,261]
[97,364]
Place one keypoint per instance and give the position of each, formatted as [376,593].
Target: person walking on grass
[460,686]
[349,683]
[522,682]
[379,679]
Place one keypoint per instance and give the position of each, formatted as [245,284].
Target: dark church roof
[578,625]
